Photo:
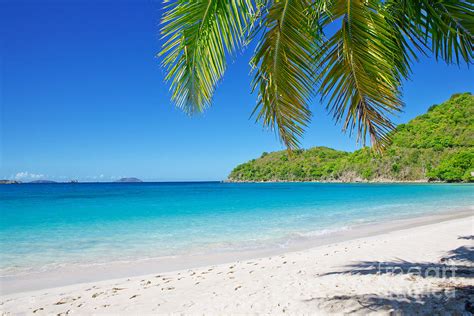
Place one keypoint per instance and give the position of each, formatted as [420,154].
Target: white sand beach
[422,267]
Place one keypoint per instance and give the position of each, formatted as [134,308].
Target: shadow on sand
[450,297]
[456,263]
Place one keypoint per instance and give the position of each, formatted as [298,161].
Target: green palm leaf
[359,68]
[199,33]
[445,25]
[362,66]
[284,66]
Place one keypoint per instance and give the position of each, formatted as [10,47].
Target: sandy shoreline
[346,275]
[74,274]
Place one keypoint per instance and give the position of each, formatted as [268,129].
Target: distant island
[42,181]
[436,146]
[3,181]
[129,180]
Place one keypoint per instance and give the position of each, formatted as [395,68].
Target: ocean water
[44,226]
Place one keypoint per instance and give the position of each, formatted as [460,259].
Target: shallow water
[43,226]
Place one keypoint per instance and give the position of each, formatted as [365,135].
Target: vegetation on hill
[436,146]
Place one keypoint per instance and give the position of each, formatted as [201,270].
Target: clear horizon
[83,97]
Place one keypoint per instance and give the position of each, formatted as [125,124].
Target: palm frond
[284,69]
[443,27]
[361,68]
[198,35]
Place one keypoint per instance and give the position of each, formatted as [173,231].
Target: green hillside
[437,146]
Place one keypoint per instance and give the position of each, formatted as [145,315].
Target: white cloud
[21,175]
[25,175]
[95,178]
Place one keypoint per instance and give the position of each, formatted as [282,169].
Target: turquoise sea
[43,226]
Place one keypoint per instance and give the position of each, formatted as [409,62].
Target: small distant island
[435,146]
[43,181]
[129,180]
[3,181]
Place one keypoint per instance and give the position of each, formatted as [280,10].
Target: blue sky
[82,97]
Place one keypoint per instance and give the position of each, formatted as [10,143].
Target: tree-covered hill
[438,145]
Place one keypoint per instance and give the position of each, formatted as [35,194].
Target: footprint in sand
[115,289]
[66,300]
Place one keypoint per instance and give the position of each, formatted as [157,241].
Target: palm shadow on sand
[449,299]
